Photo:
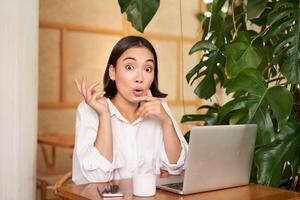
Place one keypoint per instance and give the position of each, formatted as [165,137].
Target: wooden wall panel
[167,67]
[190,25]
[167,19]
[87,55]
[57,120]
[49,65]
[92,13]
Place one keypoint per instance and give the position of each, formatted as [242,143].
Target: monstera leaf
[260,103]
[139,12]
[210,119]
[284,32]
[241,54]
[255,8]
[270,159]
[207,86]
[249,80]
[210,70]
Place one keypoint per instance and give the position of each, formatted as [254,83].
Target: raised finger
[83,86]
[90,89]
[97,96]
[94,85]
[102,95]
[94,90]
[78,86]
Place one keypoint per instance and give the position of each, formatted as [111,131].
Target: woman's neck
[126,108]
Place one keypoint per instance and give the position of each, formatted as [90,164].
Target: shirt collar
[114,111]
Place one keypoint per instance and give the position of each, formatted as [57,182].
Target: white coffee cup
[144,184]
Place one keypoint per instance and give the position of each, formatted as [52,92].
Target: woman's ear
[112,72]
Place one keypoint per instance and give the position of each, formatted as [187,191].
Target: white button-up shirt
[134,145]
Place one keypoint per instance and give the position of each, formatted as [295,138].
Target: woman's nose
[139,77]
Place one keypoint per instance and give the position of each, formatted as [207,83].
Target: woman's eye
[148,69]
[129,67]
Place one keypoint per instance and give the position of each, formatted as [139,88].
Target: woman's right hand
[92,97]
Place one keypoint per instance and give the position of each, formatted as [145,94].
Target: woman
[128,125]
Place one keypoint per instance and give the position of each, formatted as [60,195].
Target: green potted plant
[252,50]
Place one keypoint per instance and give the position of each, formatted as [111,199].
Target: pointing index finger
[142,98]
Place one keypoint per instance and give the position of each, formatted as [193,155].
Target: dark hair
[121,46]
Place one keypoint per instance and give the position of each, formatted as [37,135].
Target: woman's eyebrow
[150,60]
[131,58]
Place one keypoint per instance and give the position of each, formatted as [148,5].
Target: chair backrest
[64,179]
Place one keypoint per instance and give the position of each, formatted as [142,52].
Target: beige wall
[75,39]
[18,102]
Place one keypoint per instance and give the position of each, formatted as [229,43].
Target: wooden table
[54,140]
[249,192]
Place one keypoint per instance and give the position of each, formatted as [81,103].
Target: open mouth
[138,92]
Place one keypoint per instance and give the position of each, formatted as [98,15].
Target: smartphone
[109,190]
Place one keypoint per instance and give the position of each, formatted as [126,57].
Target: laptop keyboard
[176,186]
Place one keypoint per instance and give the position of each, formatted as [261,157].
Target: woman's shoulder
[84,109]
[83,106]
[164,102]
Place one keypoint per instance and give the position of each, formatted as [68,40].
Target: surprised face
[133,74]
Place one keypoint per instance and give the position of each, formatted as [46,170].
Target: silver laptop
[218,157]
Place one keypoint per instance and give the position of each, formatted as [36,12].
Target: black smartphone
[109,190]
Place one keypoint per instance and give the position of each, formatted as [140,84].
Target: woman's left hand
[151,107]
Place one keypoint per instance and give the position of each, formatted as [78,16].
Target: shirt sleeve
[88,163]
[165,163]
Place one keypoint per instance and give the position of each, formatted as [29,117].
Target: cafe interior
[72,39]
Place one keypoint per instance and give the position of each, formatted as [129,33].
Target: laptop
[218,157]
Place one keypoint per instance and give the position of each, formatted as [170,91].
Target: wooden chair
[53,140]
[46,184]
[63,180]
